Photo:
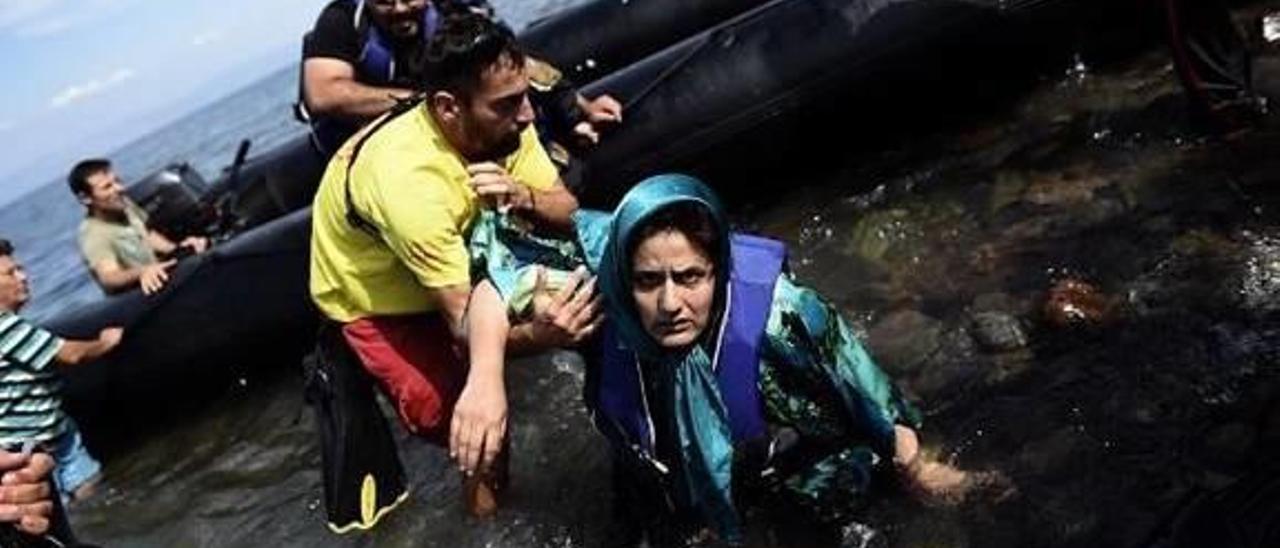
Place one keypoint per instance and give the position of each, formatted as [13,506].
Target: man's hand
[570,316]
[24,491]
[154,276]
[495,187]
[110,338]
[199,244]
[479,424]
[597,112]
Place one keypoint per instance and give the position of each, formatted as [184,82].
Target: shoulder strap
[353,215]
[757,262]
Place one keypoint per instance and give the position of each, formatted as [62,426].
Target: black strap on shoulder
[353,216]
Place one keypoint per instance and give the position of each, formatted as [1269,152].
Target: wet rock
[1007,189]
[984,258]
[903,340]
[1034,228]
[1145,413]
[1269,435]
[1010,365]
[1075,303]
[942,375]
[1260,286]
[1230,444]
[1098,211]
[934,530]
[980,138]
[997,331]
[857,535]
[1055,453]
[1069,517]
[876,232]
[1202,242]
[1214,481]
[998,302]
[1058,189]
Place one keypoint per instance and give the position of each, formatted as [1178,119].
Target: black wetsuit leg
[363,477]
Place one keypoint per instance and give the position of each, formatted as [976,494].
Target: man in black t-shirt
[361,58]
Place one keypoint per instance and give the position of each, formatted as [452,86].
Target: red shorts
[413,358]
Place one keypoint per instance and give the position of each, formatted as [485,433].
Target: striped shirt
[30,388]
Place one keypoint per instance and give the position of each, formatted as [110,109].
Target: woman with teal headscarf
[721,384]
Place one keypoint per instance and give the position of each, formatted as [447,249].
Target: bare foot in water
[939,484]
[480,497]
[482,492]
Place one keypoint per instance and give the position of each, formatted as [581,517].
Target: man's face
[13,284]
[499,110]
[402,19]
[106,194]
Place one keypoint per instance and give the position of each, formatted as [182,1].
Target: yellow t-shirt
[409,183]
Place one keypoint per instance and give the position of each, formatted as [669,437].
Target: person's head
[674,274]
[96,185]
[400,19]
[476,86]
[662,261]
[14,291]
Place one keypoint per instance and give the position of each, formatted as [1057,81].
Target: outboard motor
[171,198]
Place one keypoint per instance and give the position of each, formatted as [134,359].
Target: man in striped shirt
[30,389]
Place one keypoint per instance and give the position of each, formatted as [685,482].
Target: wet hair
[459,7]
[465,45]
[78,179]
[688,218]
[6,248]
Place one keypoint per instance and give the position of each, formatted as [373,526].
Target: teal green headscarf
[700,418]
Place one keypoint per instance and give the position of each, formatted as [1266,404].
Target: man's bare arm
[451,301]
[115,279]
[330,89]
[160,244]
[553,208]
[480,416]
[76,352]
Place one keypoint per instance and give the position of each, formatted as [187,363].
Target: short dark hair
[6,248]
[78,179]
[689,218]
[464,46]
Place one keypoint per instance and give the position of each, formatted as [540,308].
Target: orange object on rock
[1072,302]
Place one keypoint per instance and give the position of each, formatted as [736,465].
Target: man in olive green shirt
[115,242]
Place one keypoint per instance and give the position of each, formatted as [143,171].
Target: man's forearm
[119,279]
[75,352]
[487,331]
[354,101]
[159,243]
[553,208]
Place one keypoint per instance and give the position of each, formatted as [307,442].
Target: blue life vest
[376,66]
[377,55]
[620,397]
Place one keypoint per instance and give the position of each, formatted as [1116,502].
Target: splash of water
[1260,284]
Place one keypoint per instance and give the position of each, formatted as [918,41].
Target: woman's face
[673,283]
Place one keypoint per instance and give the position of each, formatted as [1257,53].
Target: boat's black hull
[814,74]
[594,39]
[243,305]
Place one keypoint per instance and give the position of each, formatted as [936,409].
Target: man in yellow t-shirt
[389,263]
